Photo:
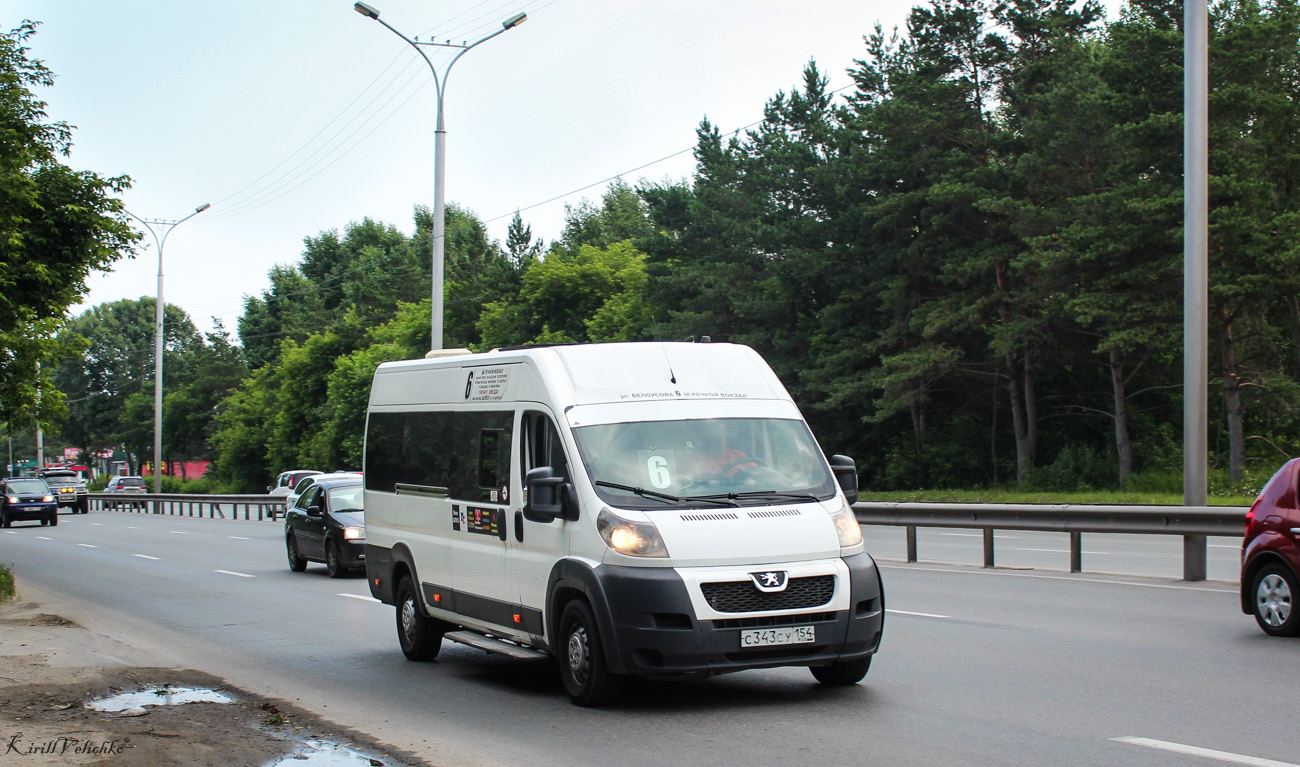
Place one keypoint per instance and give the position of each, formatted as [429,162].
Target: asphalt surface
[978,667]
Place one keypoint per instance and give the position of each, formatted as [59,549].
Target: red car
[1270,555]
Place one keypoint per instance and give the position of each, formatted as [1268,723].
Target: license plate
[784,635]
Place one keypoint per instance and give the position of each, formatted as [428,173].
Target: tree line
[966,267]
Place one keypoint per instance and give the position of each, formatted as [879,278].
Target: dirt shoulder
[50,667]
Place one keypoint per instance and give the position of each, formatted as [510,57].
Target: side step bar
[493,645]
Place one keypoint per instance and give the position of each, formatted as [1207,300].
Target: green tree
[593,295]
[57,225]
[209,372]
[117,363]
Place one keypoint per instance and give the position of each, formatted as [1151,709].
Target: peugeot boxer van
[628,509]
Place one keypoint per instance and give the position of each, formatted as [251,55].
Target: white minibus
[629,509]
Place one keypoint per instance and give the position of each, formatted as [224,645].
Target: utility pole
[165,226]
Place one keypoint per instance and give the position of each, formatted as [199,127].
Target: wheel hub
[1273,599]
[578,654]
[408,617]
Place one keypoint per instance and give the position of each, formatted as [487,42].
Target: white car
[125,486]
[304,484]
[286,483]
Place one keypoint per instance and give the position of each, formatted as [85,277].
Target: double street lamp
[165,226]
[439,149]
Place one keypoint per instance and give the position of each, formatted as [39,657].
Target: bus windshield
[704,462]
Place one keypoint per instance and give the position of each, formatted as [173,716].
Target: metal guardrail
[183,504]
[1194,523]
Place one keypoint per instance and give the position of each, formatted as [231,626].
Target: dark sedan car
[1270,554]
[327,525]
[27,498]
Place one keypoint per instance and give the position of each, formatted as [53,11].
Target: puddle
[324,753]
[158,696]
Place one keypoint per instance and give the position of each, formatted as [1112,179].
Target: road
[978,667]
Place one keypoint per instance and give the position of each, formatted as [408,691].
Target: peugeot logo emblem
[771,581]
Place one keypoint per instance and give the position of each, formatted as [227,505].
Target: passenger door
[536,546]
[480,488]
[311,530]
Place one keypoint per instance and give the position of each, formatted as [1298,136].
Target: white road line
[11,532]
[232,572]
[128,527]
[1004,574]
[88,545]
[1208,753]
[96,524]
[178,532]
[238,538]
[145,556]
[919,615]
[362,597]
[1063,551]
[42,538]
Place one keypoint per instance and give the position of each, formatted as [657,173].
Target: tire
[1274,604]
[333,566]
[296,562]
[842,673]
[419,635]
[54,519]
[583,669]
[83,506]
[4,519]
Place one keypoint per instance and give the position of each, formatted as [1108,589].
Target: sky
[294,117]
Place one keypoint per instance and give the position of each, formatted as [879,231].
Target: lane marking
[128,527]
[1061,578]
[177,532]
[88,545]
[362,597]
[11,532]
[238,538]
[42,538]
[96,524]
[232,572]
[905,612]
[1065,551]
[146,556]
[1208,753]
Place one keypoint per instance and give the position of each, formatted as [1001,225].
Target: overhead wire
[342,275]
[332,149]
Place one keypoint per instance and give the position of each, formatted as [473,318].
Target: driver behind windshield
[707,455]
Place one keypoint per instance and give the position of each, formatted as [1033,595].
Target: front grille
[771,621]
[744,596]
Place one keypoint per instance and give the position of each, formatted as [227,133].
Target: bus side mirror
[549,497]
[846,474]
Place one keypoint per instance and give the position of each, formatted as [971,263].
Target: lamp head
[511,22]
[203,207]
[368,11]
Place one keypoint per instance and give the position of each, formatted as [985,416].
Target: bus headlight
[635,539]
[847,527]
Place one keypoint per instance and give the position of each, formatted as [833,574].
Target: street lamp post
[439,146]
[165,226]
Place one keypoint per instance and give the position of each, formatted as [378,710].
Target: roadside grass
[998,495]
[6,583]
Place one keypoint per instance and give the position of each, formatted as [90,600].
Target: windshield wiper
[662,496]
[758,494]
